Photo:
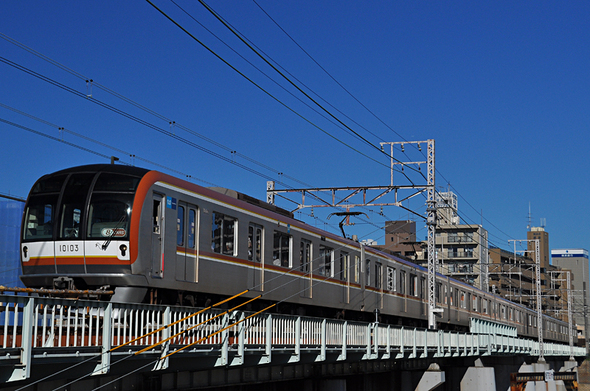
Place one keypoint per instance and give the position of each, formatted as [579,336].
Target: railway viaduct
[57,344]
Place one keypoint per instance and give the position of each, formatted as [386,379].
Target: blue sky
[502,87]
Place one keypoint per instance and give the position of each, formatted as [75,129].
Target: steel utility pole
[570,322]
[346,201]
[538,294]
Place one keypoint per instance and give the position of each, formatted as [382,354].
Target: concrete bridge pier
[569,366]
[432,378]
[542,385]
[479,378]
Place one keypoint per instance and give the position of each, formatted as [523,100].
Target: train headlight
[123,249]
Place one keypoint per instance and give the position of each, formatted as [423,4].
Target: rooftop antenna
[528,227]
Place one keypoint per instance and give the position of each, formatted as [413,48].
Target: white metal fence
[31,325]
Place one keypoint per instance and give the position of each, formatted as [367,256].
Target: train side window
[156,217]
[378,275]
[305,255]
[180,226]
[357,272]
[422,286]
[255,243]
[344,265]
[474,303]
[438,292]
[463,304]
[413,285]
[326,259]
[391,279]
[192,227]
[484,305]
[402,281]
[223,238]
[281,254]
[368,272]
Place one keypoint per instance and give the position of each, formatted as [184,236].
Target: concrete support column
[432,378]
[479,378]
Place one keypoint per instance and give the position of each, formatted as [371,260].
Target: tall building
[11,212]
[576,260]
[400,239]
[539,233]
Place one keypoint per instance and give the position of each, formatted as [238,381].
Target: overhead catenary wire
[239,36]
[51,81]
[134,118]
[187,176]
[287,72]
[260,87]
[326,71]
[487,220]
[129,101]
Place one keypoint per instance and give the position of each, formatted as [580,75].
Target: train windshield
[41,208]
[110,207]
[99,211]
[39,217]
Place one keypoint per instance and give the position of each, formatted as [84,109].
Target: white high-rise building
[576,260]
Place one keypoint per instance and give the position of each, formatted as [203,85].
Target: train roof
[253,201]
[114,168]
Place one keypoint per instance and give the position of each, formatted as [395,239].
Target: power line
[328,73]
[258,86]
[134,118]
[61,66]
[61,129]
[239,36]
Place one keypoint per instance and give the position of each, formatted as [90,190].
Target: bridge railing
[49,327]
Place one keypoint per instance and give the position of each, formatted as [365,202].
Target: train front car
[76,231]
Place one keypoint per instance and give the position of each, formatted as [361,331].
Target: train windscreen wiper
[105,245]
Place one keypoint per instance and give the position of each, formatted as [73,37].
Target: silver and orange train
[151,237]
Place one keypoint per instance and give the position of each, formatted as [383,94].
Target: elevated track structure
[51,339]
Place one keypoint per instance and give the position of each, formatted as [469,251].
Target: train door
[305,267]
[186,243]
[157,236]
[255,251]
